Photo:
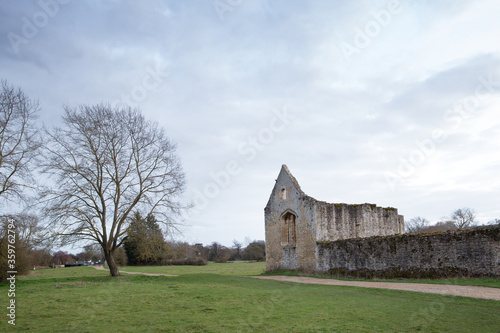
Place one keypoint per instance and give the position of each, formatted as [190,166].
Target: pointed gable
[284,177]
[285,172]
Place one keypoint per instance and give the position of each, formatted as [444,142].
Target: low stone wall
[470,253]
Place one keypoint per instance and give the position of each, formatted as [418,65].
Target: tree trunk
[113,269]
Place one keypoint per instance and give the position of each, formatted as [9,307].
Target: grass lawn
[214,299]
[239,268]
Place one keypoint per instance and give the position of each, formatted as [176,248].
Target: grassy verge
[83,299]
[483,282]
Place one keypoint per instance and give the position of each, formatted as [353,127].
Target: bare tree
[416,224]
[61,258]
[106,163]
[29,233]
[28,236]
[494,222]
[91,252]
[19,140]
[463,218]
[237,246]
[176,250]
[441,226]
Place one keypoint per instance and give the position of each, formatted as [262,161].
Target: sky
[388,102]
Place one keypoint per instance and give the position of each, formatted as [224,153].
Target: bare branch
[20,141]
[463,218]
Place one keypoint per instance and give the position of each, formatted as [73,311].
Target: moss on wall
[473,252]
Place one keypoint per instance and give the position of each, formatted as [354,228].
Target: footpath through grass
[86,300]
[482,282]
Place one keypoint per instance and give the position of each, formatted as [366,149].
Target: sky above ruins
[385,102]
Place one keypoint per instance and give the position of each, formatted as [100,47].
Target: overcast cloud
[387,102]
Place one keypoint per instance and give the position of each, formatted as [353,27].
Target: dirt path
[101,268]
[444,289]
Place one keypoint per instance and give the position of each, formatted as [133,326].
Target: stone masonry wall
[474,252]
[342,221]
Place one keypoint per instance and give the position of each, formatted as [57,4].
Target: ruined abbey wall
[342,221]
[474,252]
[296,221]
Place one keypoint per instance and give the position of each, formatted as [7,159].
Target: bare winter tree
[441,226]
[29,232]
[237,246]
[416,224]
[106,163]
[494,222]
[29,240]
[19,140]
[463,218]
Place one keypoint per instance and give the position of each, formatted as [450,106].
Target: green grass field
[217,298]
[238,268]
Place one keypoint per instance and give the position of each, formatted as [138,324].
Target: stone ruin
[305,234]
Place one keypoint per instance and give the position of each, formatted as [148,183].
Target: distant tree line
[462,218]
[33,249]
[145,245]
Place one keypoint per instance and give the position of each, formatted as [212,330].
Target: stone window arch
[283,193]
[288,229]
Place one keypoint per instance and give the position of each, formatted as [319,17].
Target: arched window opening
[289,229]
[283,194]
